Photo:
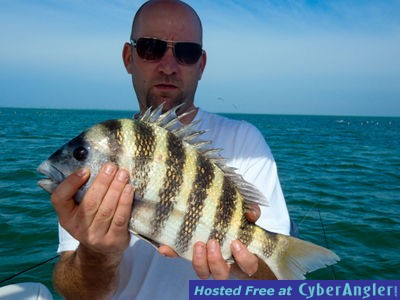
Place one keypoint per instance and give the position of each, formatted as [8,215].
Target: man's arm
[80,275]
[100,224]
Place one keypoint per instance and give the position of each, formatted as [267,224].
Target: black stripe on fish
[270,243]
[145,141]
[172,183]
[112,130]
[225,210]
[246,232]
[203,180]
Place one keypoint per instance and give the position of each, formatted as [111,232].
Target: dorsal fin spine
[171,122]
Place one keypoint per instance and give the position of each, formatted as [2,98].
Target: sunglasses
[152,49]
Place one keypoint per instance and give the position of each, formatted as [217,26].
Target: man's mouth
[166,86]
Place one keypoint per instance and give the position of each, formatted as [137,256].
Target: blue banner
[294,289]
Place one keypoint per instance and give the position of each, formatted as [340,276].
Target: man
[99,259]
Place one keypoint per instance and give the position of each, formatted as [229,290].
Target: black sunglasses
[152,49]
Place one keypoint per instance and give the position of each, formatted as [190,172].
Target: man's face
[165,80]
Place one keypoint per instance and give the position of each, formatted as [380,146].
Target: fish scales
[194,211]
[145,142]
[195,204]
[128,150]
[145,137]
[172,183]
[225,210]
[210,207]
[184,193]
[236,219]
[155,167]
[246,231]
[185,202]
[269,244]
[113,131]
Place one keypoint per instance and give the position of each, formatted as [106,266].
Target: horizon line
[229,113]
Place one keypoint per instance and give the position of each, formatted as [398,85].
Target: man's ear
[203,62]
[127,57]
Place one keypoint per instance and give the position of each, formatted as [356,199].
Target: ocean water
[340,177]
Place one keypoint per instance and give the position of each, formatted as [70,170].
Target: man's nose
[168,63]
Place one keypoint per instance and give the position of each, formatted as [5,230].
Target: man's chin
[166,102]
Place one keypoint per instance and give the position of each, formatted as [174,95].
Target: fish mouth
[54,176]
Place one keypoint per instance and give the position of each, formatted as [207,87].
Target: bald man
[99,259]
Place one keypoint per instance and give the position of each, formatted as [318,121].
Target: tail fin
[292,258]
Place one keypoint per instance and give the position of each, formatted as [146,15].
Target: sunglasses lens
[154,49]
[188,53]
[150,49]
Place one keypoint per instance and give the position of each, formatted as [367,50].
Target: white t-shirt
[144,273]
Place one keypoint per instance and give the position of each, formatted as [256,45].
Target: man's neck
[188,118]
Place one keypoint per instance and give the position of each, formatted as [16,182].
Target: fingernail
[122,175]
[212,244]
[82,172]
[161,250]
[109,169]
[199,250]
[128,189]
[237,246]
[251,214]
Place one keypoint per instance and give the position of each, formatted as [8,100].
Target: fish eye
[80,153]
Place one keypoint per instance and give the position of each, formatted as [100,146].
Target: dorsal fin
[187,133]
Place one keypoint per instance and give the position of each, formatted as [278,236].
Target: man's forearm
[82,274]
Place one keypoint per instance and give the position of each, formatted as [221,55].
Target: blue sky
[339,57]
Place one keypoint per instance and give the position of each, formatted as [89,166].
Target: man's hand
[100,224]
[100,221]
[208,260]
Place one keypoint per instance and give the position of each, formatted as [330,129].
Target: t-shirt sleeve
[66,241]
[257,166]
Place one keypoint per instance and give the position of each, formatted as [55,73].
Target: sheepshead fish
[184,192]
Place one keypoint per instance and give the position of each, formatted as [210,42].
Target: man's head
[167,78]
